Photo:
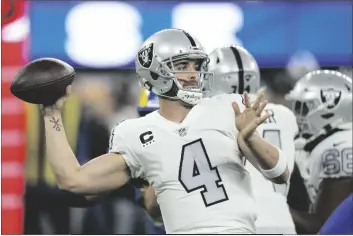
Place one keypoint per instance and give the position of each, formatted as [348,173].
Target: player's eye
[197,65]
[181,67]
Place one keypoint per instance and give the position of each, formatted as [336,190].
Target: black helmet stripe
[192,41]
[241,69]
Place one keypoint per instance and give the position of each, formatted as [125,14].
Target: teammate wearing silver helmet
[322,102]
[190,150]
[236,71]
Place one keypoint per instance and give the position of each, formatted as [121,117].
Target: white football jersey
[271,199]
[195,167]
[330,158]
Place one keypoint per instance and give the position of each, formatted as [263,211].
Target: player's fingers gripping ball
[57,106]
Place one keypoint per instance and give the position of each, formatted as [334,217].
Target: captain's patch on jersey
[145,56]
[147,138]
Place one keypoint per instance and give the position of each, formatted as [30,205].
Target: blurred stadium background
[100,39]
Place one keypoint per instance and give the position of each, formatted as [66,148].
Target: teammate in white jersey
[190,150]
[322,102]
[236,71]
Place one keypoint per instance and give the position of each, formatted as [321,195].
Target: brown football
[42,81]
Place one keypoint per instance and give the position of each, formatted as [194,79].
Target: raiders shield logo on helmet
[331,97]
[145,56]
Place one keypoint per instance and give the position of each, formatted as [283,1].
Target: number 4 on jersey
[196,172]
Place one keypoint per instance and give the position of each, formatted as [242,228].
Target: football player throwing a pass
[191,157]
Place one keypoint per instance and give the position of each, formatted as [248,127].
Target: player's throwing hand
[248,120]
[56,108]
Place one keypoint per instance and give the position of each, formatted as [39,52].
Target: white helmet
[321,99]
[154,65]
[235,71]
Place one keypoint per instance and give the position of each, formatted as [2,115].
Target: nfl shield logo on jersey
[330,97]
[182,132]
[145,56]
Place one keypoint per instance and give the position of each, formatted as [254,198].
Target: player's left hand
[248,120]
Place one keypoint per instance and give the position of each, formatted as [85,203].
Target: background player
[322,102]
[236,71]
[173,65]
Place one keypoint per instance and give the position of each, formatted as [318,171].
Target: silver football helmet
[235,71]
[321,99]
[154,65]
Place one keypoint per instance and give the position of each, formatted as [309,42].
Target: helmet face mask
[321,99]
[155,66]
[302,110]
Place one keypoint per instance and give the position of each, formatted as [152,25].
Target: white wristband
[278,169]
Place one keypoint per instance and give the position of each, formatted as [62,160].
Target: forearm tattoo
[57,126]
